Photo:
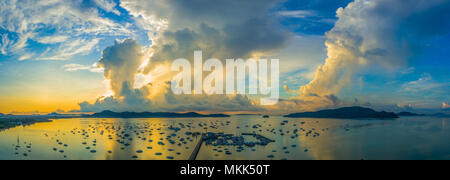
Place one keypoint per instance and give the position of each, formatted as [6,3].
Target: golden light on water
[324,139]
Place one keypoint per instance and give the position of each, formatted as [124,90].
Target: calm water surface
[404,138]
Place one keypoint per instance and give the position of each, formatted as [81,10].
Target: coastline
[12,121]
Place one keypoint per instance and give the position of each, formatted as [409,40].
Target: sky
[95,55]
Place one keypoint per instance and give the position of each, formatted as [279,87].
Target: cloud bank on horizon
[363,38]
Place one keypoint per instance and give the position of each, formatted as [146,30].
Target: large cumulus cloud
[381,34]
[252,38]
[221,29]
[121,63]
[378,33]
[180,14]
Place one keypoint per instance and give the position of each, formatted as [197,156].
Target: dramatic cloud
[260,39]
[222,29]
[68,25]
[182,14]
[121,63]
[311,103]
[380,33]
[210,103]
[217,25]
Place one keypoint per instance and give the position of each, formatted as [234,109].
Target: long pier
[197,149]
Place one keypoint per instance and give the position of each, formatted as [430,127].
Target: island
[409,114]
[345,113]
[111,114]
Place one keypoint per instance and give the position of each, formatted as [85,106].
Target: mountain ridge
[111,114]
[354,112]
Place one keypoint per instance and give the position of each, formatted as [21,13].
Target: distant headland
[409,114]
[345,113]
